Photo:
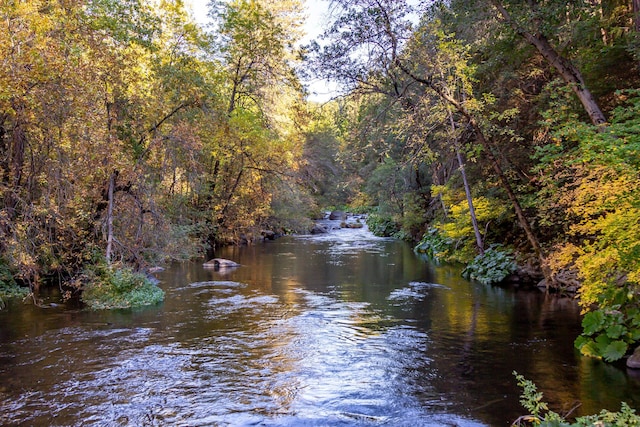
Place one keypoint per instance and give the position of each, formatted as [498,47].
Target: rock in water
[633,361]
[219,263]
[342,216]
[319,229]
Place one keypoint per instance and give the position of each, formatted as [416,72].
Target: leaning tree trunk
[467,191]
[569,72]
[636,14]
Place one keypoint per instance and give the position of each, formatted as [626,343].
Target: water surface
[337,329]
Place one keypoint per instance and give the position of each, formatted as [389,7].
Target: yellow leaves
[599,189]
[603,206]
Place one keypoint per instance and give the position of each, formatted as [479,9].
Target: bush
[608,333]
[8,286]
[492,267]
[109,287]
[434,246]
[540,415]
[382,225]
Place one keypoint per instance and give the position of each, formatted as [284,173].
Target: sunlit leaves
[598,191]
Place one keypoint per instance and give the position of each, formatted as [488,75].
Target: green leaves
[492,267]
[539,413]
[614,350]
[109,288]
[593,322]
[607,334]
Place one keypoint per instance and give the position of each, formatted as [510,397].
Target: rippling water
[336,329]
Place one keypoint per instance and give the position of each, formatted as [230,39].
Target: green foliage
[382,225]
[540,415]
[199,135]
[531,398]
[8,286]
[608,333]
[592,186]
[435,246]
[6,276]
[109,287]
[492,267]
[395,190]
[454,240]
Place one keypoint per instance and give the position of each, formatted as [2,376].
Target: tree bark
[112,184]
[636,15]
[467,191]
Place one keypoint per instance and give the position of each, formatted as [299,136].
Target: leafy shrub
[540,415]
[492,267]
[382,225]
[8,286]
[595,196]
[108,288]
[608,333]
[434,245]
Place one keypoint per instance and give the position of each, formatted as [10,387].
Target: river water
[329,330]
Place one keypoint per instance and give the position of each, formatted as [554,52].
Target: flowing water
[336,329]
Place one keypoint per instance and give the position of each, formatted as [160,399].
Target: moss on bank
[111,287]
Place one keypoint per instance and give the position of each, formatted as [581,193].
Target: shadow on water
[336,329]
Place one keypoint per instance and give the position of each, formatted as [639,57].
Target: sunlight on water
[337,329]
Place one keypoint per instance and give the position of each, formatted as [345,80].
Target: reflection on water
[337,329]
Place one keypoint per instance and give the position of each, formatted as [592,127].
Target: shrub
[8,286]
[382,225]
[492,267]
[540,415]
[434,245]
[109,287]
[608,333]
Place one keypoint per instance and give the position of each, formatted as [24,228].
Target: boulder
[220,263]
[269,235]
[338,215]
[318,229]
[633,362]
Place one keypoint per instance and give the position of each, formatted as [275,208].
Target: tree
[531,26]
[256,47]
[381,30]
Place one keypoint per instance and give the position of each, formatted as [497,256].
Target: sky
[317,16]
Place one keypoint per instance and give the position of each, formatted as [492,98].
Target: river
[326,330]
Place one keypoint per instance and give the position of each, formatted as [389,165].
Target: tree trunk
[636,15]
[472,211]
[112,184]
[569,73]
[467,191]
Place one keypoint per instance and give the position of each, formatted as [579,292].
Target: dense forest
[501,134]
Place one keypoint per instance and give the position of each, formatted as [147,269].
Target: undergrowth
[540,415]
[8,286]
[109,287]
[492,267]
